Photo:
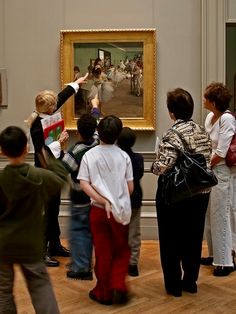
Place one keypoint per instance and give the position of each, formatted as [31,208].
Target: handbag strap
[179,150]
[185,145]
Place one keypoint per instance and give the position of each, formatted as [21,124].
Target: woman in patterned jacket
[181,225]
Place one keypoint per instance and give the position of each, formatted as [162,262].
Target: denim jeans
[218,219]
[80,239]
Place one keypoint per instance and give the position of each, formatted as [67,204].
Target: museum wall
[30,48]
[30,52]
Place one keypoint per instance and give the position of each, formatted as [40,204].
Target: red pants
[112,253]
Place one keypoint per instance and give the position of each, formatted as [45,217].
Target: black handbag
[188,177]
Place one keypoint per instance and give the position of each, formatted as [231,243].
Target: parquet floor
[215,295]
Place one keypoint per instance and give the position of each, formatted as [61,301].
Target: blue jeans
[80,239]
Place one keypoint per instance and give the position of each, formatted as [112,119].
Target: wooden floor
[215,295]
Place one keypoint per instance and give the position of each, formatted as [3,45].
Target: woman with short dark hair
[181,224]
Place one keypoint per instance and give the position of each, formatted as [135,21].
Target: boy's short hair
[86,126]
[126,138]
[109,129]
[13,141]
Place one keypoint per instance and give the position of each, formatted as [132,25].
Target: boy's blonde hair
[43,101]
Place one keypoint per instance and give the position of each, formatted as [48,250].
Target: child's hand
[108,209]
[95,101]
[63,138]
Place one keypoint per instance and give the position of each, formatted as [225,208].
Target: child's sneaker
[133,270]
[82,275]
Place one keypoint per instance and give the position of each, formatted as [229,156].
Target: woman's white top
[221,133]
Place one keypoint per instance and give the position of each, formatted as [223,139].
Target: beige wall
[30,42]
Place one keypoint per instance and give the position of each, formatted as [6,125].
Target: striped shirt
[71,161]
[197,141]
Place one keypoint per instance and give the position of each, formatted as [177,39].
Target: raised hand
[82,79]
[95,101]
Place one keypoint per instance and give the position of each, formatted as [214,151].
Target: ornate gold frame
[146,36]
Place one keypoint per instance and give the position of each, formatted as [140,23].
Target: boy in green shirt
[24,191]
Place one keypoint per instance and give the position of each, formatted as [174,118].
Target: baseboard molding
[149,230]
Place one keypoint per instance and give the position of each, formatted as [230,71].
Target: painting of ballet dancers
[121,71]
[116,74]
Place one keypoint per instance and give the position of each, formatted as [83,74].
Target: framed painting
[122,66]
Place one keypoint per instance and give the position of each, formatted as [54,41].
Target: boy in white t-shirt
[106,176]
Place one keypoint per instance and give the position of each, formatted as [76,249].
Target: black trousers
[181,228]
[52,227]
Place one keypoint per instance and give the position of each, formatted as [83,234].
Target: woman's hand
[82,79]
[215,160]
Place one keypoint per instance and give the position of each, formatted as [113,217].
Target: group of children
[105,211]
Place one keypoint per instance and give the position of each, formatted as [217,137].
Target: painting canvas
[121,66]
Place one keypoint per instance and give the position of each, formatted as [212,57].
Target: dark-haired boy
[80,238]
[106,176]
[24,192]
[126,141]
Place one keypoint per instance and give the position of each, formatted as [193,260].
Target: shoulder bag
[188,177]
